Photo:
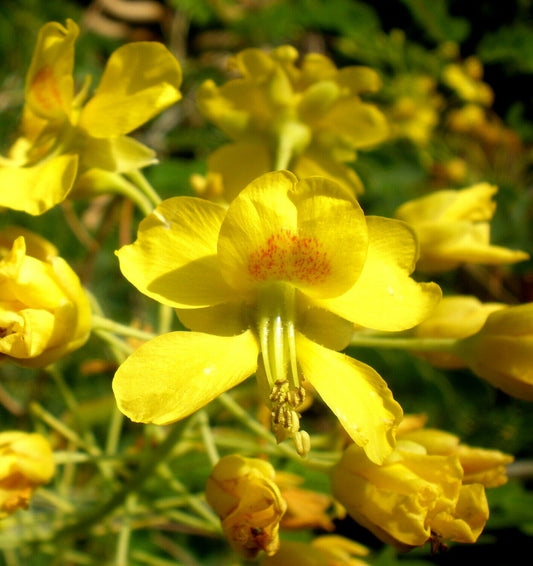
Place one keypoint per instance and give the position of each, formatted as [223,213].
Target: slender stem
[124,537]
[237,411]
[418,344]
[132,192]
[142,183]
[207,436]
[135,482]
[102,323]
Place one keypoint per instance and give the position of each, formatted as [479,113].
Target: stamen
[276,328]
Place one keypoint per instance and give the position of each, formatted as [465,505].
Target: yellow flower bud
[413,498]
[453,228]
[454,317]
[502,351]
[44,311]
[26,461]
[244,495]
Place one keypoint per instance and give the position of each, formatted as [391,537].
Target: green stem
[135,482]
[132,192]
[403,343]
[142,183]
[207,436]
[256,427]
[102,323]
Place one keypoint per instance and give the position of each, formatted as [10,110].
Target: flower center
[276,322]
[289,257]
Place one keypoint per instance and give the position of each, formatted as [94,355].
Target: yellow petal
[385,297]
[362,124]
[174,375]
[121,154]
[37,189]
[316,162]
[277,230]
[227,319]
[357,395]
[239,164]
[174,257]
[140,80]
[49,82]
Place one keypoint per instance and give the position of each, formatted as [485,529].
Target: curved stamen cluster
[276,329]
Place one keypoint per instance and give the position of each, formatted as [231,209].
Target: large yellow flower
[44,310]
[277,275]
[63,137]
[308,119]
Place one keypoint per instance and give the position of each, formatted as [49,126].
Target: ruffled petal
[140,80]
[174,257]
[357,395]
[385,297]
[37,189]
[174,375]
[277,230]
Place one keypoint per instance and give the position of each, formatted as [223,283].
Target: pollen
[289,257]
[44,88]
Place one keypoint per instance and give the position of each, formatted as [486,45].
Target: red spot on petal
[44,88]
[289,257]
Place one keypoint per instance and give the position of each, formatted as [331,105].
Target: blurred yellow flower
[243,493]
[416,496]
[44,311]
[415,110]
[456,316]
[282,274]
[453,228]
[63,136]
[26,462]
[325,550]
[502,351]
[308,119]
[466,80]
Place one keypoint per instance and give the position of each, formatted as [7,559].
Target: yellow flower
[415,110]
[326,550]
[466,81]
[44,311]
[244,495]
[502,351]
[281,274]
[453,228]
[308,119]
[456,316]
[26,462]
[413,498]
[63,137]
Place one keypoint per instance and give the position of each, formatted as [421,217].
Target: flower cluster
[276,269]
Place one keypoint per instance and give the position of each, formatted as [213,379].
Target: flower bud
[502,351]
[244,495]
[454,317]
[44,311]
[453,228]
[26,461]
